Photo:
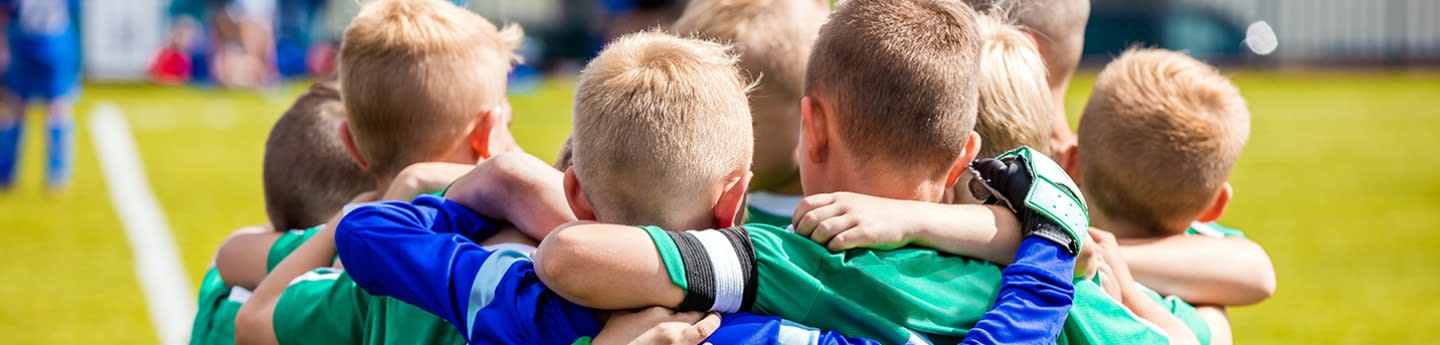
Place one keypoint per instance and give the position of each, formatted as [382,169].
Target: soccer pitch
[1340,182]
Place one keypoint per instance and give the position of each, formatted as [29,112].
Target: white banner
[119,37]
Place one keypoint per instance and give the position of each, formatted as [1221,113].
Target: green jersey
[219,303]
[908,295]
[325,306]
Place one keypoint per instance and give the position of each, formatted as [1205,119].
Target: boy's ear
[575,196]
[732,199]
[487,123]
[972,149]
[350,145]
[1217,208]
[813,130]
[1069,158]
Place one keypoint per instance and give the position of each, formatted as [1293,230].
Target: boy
[422,81]
[1058,28]
[307,178]
[661,124]
[41,60]
[773,38]
[1161,134]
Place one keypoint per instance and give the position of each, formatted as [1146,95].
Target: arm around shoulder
[1226,271]
[605,266]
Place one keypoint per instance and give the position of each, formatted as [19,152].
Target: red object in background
[321,60]
[170,67]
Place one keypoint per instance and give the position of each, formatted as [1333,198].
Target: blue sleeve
[423,253]
[1035,296]
[747,328]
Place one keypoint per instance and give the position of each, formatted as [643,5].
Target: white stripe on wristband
[729,277]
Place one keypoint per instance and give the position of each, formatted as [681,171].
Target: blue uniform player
[42,63]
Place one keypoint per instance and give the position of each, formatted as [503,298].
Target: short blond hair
[659,120]
[1159,138]
[1015,102]
[414,75]
[1059,28]
[773,38]
[901,77]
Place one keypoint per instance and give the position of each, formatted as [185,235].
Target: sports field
[1340,182]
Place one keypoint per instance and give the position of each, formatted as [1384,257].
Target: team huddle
[894,171]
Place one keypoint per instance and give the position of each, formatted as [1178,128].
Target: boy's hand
[424,178]
[1042,196]
[657,325]
[845,220]
[518,188]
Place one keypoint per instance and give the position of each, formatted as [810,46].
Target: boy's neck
[791,186]
[1127,229]
[889,185]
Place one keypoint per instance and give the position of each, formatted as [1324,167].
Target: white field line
[157,262]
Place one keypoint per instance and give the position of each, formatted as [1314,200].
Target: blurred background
[1340,180]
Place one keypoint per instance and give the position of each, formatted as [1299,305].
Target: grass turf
[1338,183]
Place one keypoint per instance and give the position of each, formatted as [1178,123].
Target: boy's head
[773,38]
[1015,108]
[891,94]
[1059,28]
[1158,139]
[307,175]
[662,134]
[424,80]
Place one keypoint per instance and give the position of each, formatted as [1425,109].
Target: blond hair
[307,175]
[415,73]
[901,77]
[773,38]
[659,121]
[1058,26]
[1015,105]
[1159,138]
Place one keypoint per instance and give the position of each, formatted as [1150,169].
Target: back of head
[1159,138]
[415,73]
[660,122]
[773,38]
[1015,104]
[901,77]
[1059,27]
[307,174]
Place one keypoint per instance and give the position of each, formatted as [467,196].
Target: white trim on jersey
[729,276]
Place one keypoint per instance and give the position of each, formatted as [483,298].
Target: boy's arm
[844,220]
[254,324]
[422,253]
[1035,297]
[1226,271]
[241,257]
[602,266]
[1135,299]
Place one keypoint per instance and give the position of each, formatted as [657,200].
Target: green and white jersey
[325,306]
[908,295]
[218,303]
[1213,229]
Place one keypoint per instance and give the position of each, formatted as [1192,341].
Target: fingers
[813,210]
[702,329]
[829,228]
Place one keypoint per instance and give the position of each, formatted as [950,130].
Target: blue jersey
[44,47]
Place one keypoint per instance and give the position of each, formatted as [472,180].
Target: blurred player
[308,176]
[1158,140]
[773,38]
[41,59]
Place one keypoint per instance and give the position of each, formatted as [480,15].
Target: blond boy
[773,38]
[422,81]
[1158,140]
[1058,29]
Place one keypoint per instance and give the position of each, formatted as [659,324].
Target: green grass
[1339,182]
